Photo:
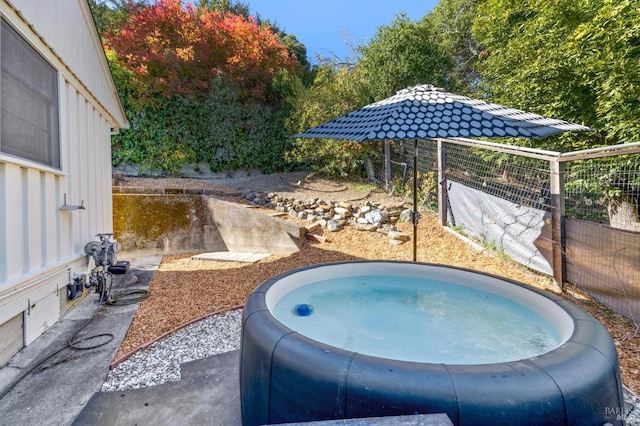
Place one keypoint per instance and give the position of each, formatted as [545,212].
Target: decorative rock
[313,227]
[400,236]
[366,227]
[342,211]
[405,216]
[374,216]
[334,225]
[366,217]
[396,206]
[395,242]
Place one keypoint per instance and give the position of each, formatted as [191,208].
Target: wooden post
[442,184]
[557,223]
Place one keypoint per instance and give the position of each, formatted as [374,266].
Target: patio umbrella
[427,112]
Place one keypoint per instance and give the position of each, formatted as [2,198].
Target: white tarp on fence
[521,232]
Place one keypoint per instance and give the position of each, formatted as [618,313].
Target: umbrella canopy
[426,112]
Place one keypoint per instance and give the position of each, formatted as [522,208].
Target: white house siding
[67,26]
[41,246]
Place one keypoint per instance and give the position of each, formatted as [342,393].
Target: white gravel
[160,362]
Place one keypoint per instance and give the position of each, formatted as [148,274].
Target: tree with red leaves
[175,49]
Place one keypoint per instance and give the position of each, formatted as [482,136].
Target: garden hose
[71,343]
[118,299]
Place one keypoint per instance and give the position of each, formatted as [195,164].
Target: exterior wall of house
[42,245]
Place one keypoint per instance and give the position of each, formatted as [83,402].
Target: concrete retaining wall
[171,223]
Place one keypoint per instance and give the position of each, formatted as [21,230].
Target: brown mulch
[183,290]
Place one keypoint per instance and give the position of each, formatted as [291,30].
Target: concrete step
[212,366]
[208,394]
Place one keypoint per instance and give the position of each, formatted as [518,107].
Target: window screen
[28,101]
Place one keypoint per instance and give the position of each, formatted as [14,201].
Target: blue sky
[325,26]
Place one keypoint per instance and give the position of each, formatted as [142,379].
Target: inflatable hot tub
[384,338]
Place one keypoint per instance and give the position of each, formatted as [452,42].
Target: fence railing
[571,215]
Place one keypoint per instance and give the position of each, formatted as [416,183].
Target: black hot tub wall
[286,377]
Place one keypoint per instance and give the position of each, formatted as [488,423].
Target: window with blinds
[28,101]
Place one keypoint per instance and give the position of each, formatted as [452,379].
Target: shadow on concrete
[41,389]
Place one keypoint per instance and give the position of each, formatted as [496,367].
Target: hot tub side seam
[345,383]
[273,351]
[455,391]
[555,383]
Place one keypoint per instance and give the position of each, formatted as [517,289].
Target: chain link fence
[570,215]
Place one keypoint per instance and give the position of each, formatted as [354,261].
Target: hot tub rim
[589,341]
[574,312]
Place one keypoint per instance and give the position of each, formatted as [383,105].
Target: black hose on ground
[119,299]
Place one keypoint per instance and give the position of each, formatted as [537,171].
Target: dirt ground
[184,290]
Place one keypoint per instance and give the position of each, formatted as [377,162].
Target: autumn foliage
[175,49]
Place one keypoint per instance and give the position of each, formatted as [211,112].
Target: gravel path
[160,362]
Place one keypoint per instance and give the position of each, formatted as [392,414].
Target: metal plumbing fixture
[75,289]
[104,252]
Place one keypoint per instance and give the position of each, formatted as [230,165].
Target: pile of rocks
[335,215]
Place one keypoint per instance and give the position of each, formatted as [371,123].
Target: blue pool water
[420,320]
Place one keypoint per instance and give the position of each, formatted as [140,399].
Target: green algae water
[418,320]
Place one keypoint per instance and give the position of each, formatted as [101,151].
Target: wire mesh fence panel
[401,163]
[522,180]
[501,200]
[504,200]
[604,190]
[603,230]
[605,263]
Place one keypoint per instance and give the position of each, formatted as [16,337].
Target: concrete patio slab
[229,256]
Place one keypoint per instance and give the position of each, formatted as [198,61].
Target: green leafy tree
[452,21]
[332,94]
[606,49]
[108,15]
[403,54]
[293,45]
[237,8]
[572,59]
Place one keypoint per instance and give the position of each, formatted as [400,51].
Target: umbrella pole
[414,216]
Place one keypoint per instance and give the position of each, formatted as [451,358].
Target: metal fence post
[442,185]
[557,222]
[387,165]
